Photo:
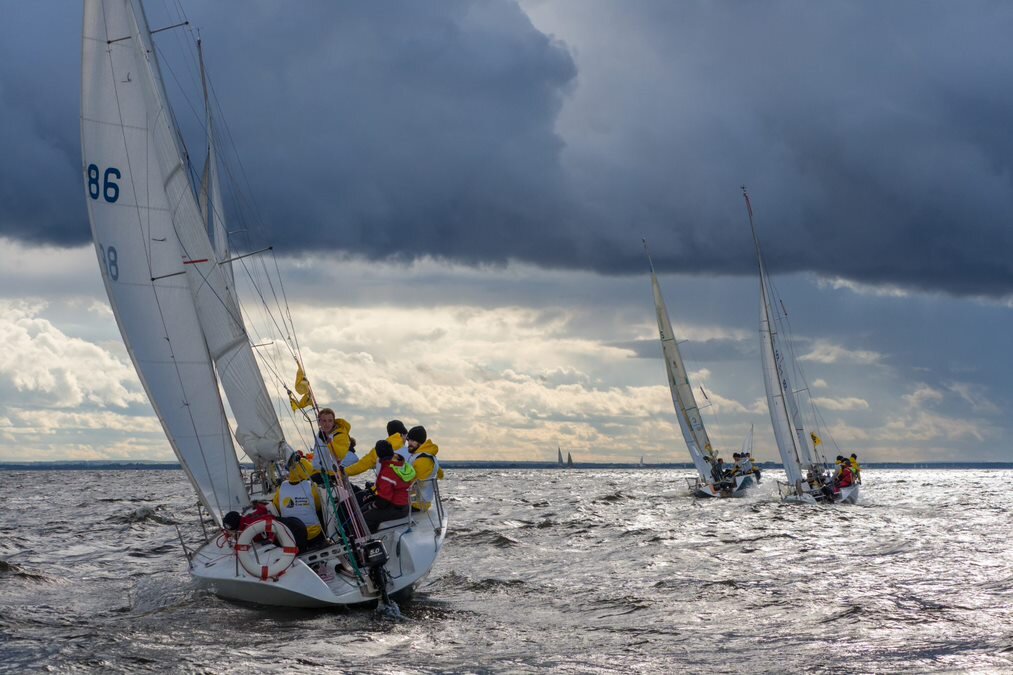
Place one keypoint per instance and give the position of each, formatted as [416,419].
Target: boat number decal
[110,260]
[110,188]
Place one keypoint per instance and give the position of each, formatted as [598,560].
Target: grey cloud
[463,130]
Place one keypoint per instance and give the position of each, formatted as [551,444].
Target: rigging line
[158,304]
[288,308]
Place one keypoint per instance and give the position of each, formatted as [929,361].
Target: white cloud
[877,290]
[921,396]
[827,352]
[847,403]
[47,367]
[975,397]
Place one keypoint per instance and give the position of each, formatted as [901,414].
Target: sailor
[298,500]
[393,485]
[396,433]
[845,479]
[423,459]
[856,468]
[737,465]
[837,467]
[718,470]
[330,446]
[351,457]
[745,466]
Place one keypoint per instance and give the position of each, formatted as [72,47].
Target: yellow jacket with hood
[369,460]
[339,444]
[424,470]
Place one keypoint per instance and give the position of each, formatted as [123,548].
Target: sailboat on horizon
[688,412]
[807,470]
[167,266]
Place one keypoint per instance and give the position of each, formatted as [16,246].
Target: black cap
[417,434]
[396,427]
[383,450]
[231,520]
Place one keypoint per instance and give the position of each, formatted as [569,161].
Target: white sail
[559,455]
[789,432]
[130,159]
[747,442]
[211,206]
[258,429]
[693,430]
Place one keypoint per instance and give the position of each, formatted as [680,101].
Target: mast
[210,194]
[780,397]
[686,409]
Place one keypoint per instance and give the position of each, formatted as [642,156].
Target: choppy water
[575,571]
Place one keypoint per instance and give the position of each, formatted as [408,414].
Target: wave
[8,569]
[144,514]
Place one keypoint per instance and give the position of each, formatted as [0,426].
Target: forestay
[135,182]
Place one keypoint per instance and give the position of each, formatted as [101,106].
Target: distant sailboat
[569,461]
[687,411]
[804,465]
[559,456]
[641,461]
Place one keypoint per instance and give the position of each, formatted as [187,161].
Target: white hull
[848,495]
[743,484]
[313,579]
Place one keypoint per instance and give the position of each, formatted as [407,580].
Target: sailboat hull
[314,580]
[848,495]
[743,484]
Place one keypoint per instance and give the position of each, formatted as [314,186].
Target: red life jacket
[846,477]
[390,486]
[259,512]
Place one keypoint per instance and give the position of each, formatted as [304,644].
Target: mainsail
[789,431]
[686,409]
[136,187]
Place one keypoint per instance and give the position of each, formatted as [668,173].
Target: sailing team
[405,467]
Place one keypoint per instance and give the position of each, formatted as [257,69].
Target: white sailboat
[167,268]
[804,465]
[559,456]
[688,412]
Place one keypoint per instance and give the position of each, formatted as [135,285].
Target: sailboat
[164,253]
[559,456]
[806,469]
[688,412]
[569,461]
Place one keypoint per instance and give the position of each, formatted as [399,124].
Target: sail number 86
[110,189]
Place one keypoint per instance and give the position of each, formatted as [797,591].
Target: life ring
[277,559]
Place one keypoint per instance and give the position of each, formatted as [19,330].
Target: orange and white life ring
[266,563]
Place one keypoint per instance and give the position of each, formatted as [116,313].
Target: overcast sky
[481,172]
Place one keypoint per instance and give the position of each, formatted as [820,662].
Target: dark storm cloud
[874,136]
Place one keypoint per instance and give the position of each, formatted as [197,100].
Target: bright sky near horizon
[459,190]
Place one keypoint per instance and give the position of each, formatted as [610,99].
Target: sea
[562,570]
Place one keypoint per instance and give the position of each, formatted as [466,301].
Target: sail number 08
[110,189]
